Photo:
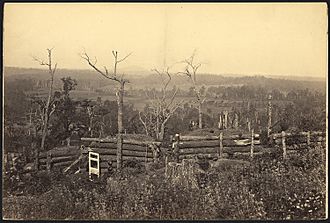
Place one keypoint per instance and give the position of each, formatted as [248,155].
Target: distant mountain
[135,70]
[141,78]
[33,73]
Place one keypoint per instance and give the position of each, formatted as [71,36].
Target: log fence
[243,145]
[290,142]
[217,146]
[185,147]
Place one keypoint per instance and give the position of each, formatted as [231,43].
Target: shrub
[267,188]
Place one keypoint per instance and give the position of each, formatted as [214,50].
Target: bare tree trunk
[236,121]
[226,120]
[162,131]
[120,96]
[157,125]
[220,122]
[144,123]
[45,127]
[120,125]
[269,116]
[200,114]
[51,71]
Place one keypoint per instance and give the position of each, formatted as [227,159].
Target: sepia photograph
[165,111]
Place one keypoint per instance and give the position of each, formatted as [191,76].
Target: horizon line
[215,74]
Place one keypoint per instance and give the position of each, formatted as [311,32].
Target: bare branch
[41,62]
[106,74]
[118,61]
[114,53]
[144,123]
[172,98]
[106,70]
[54,69]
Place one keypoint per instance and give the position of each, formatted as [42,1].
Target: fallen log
[80,158]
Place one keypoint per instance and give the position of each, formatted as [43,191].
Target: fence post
[37,161]
[226,119]
[49,161]
[220,152]
[308,139]
[220,122]
[252,142]
[236,121]
[283,145]
[146,157]
[175,147]
[119,151]
[166,164]
[155,152]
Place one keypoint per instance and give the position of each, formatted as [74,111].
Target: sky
[252,39]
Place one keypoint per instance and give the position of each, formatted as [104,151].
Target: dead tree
[162,106]
[47,111]
[120,95]
[190,71]
[269,113]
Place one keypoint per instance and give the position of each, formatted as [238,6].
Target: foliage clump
[267,188]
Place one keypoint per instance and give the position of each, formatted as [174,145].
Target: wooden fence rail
[186,147]
[142,151]
[301,139]
[240,145]
[216,146]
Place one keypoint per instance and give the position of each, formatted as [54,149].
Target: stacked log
[133,150]
[302,138]
[58,157]
[216,146]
